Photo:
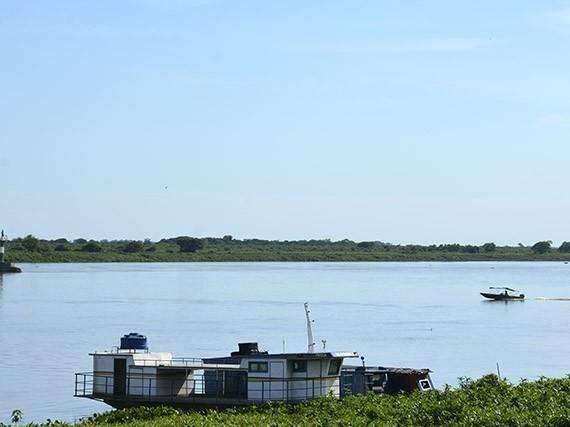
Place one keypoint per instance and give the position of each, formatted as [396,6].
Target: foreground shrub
[488,401]
[126,416]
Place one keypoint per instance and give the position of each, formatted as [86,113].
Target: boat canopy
[505,289]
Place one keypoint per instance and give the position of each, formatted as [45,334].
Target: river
[395,314]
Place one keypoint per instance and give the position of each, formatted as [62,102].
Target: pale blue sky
[412,122]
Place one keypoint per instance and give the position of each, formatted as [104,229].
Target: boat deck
[217,389]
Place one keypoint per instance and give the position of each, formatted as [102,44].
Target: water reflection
[505,302]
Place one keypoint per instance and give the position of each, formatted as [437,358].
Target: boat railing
[181,360]
[217,386]
[192,362]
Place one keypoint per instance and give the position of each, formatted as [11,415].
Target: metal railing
[192,362]
[217,386]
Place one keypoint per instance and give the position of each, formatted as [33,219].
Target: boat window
[334,367]
[424,385]
[258,367]
[299,366]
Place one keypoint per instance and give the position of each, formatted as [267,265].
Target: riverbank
[487,401]
[279,256]
[186,249]
[297,256]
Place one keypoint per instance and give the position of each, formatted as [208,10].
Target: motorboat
[503,294]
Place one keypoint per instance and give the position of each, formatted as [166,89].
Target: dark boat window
[424,385]
[299,366]
[334,367]
[258,367]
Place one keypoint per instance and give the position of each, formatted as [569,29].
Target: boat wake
[552,299]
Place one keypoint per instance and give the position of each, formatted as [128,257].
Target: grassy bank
[485,402]
[227,249]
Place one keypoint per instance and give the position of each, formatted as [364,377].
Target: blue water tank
[133,341]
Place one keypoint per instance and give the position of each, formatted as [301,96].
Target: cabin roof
[166,359]
[139,355]
[386,370]
[175,366]
[287,356]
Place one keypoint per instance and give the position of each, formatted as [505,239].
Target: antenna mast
[310,340]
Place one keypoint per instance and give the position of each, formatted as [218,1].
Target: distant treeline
[187,248]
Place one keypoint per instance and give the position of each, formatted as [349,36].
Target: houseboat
[131,375]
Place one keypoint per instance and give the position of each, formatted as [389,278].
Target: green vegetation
[92,247]
[187,249]
[485,402]
[542,247]
[189,244]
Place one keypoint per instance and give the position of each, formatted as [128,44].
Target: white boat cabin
[287,376]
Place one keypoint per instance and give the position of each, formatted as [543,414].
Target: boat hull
[502,297]
[6,267]
[183,404]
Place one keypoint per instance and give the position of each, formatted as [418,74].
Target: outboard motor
[133,341]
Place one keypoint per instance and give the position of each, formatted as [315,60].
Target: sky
[405,122]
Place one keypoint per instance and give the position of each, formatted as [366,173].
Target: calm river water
[395,314]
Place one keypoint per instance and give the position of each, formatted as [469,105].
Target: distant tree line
[188,244]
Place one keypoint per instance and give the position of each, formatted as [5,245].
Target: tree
[61,248]
[564,247]
[365,245]
[450,247]
[470,249]
[541,247]
[80,241]
[92,247]
[227,238]
[189,244]
[30,243]
[133,247]
[489,247]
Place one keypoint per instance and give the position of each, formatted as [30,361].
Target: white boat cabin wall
[303,378]
[288,376]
